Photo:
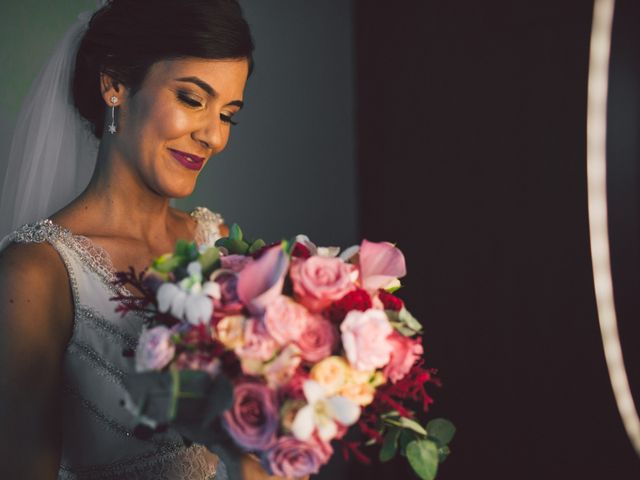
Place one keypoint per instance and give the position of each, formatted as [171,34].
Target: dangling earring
[112,127]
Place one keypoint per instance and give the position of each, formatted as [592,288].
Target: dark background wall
[471,155]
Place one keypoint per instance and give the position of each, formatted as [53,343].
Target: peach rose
[331,373]
[285,319]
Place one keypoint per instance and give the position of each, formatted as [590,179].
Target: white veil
[53,152]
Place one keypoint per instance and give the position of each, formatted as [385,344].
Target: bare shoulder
[34,291]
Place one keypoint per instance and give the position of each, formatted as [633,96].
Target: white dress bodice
[98,439]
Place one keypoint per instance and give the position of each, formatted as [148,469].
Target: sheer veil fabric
[53,151]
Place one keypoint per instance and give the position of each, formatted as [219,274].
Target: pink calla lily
[261,281]
[380,264]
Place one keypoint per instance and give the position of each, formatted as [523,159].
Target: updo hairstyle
[126,37]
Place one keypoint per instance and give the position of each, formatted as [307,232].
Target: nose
[211,136]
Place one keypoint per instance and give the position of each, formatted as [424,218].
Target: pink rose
[252,420]
[285,319]
[257,344]
[364,337]
[405,352]
[318,340]
[235,262]
[155,349]
[293,458]
[318,281]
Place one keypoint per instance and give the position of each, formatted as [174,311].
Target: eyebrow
[208,88]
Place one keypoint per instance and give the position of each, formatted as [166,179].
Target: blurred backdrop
[456,129]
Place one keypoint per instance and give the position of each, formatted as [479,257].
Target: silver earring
[112,127]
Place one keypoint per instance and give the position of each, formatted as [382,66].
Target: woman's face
[179,118]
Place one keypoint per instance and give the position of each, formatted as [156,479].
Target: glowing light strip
[598,221]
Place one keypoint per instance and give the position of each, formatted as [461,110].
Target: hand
[252,470]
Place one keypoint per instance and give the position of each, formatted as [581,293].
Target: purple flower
[252,420]
[292,458]
[155,349]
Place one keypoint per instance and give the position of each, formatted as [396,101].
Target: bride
[158,82]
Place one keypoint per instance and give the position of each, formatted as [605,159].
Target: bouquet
[284,348]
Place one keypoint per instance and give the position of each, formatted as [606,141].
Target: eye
[189,99]
[227,119]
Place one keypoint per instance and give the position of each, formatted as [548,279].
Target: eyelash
[184,98]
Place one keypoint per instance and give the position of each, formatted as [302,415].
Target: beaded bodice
[98,440]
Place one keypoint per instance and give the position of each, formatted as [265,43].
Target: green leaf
[443,453]
[182,248]
[257,245]
[423,458]
[393,289]
[442,430]
[409,320]
[234,246]
[235,232]
[167,264]
[405,422]
[208,260]
[390,444]
[406,437]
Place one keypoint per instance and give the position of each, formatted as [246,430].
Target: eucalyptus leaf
[409,320]
[406,437]
[405,422]
[443,453]
[442,430]
[423,458]
[151,393]
[390,444]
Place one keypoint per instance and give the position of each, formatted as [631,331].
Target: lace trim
[107,420]
[94,320]
[96,258]
[105,369]
[208,228]
[163,463]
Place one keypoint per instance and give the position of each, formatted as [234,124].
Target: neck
[125,203]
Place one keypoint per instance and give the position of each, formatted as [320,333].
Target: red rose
[299,250]
[390,301]
[357,299]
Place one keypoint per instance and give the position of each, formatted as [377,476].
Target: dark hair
[126,37]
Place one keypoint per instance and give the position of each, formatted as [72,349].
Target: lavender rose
[155,349]
[252,420]
[292,458]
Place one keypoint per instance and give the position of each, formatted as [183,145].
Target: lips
[188,160]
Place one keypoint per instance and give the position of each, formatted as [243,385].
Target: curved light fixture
[600,52]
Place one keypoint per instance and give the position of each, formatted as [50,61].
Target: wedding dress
[98,439]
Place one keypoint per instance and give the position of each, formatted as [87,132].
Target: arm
[36,312]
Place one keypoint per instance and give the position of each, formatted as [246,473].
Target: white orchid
[315,250]
[190,300]
[321,413]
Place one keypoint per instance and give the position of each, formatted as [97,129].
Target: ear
[113,91]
